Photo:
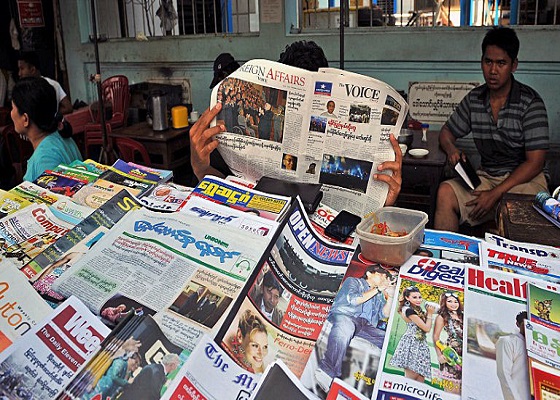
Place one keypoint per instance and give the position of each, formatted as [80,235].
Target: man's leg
[341,333]
[447,209]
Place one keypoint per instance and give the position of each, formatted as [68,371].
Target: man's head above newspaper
[304,54]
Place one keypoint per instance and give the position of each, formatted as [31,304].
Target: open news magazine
[330,127]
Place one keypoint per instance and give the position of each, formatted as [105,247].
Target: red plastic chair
[93,136]
[128,149]
[116,93]
[19,150]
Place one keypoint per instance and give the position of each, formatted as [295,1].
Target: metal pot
[157,108]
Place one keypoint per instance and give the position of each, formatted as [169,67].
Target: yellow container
[179,117]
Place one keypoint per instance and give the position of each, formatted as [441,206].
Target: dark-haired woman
[450,320]
[35,115]
[412,352]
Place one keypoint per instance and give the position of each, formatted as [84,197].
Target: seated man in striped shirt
[509,124]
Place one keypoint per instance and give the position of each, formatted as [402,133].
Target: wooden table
[518,220]
[168,149]
[422,176]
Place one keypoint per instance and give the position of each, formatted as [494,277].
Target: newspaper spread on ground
[494,302]
[544,360]
[450,246]
[520,262]
[40,365]
[230,194]
[180,267]
[207,366]
[21,307]
[539,250]
[422,352]
[288,299]
[330,128]
[355,364]
[27,232]
[223,215]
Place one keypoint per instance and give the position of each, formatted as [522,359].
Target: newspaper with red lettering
[330,127]
[180,268]
[521,261]
[22,307]
[288,298]
[27,232]
[41,364]
[494,353]
[540,250]
[422,351]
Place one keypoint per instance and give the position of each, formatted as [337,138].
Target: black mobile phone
[342,225]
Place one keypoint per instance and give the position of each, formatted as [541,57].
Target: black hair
[31,58]
[270,281]
[304,54]
[37,98]
[504,38]
[376,268]
[520,317]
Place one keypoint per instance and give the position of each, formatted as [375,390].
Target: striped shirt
[522,126]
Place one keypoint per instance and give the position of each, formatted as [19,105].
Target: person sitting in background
[509,125]
[302,54]
[34,115]
[28,66]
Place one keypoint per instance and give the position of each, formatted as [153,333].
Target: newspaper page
[289,298]
[210,374]
[422,352]
[22,307]
[355,364]
[228,193]
[539,250]
[27,232]
[520,262]
[544,360]
[183,268]
[166,197]
[40,365]
[494,301]
[450,246]
[219,214]
[136,361]
[330,128]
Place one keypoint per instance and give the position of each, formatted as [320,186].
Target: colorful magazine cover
[494,343]
[544,360]
[422,351]
[58,183]
[543,304]
[356,362]
[136,361]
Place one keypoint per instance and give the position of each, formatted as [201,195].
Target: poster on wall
[436,101]
[31,14]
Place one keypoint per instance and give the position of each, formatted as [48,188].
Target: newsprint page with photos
[330,127]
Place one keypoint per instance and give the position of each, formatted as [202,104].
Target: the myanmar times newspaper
[318,127]
[422,352]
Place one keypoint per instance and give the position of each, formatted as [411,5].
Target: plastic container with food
[392,250]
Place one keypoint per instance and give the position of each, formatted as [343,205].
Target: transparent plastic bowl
[392,250]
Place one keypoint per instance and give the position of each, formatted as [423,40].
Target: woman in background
[412,353]
[35,116]
[449,319]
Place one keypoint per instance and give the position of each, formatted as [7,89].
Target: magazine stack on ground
[542,337]
[330,127]
[422,351]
